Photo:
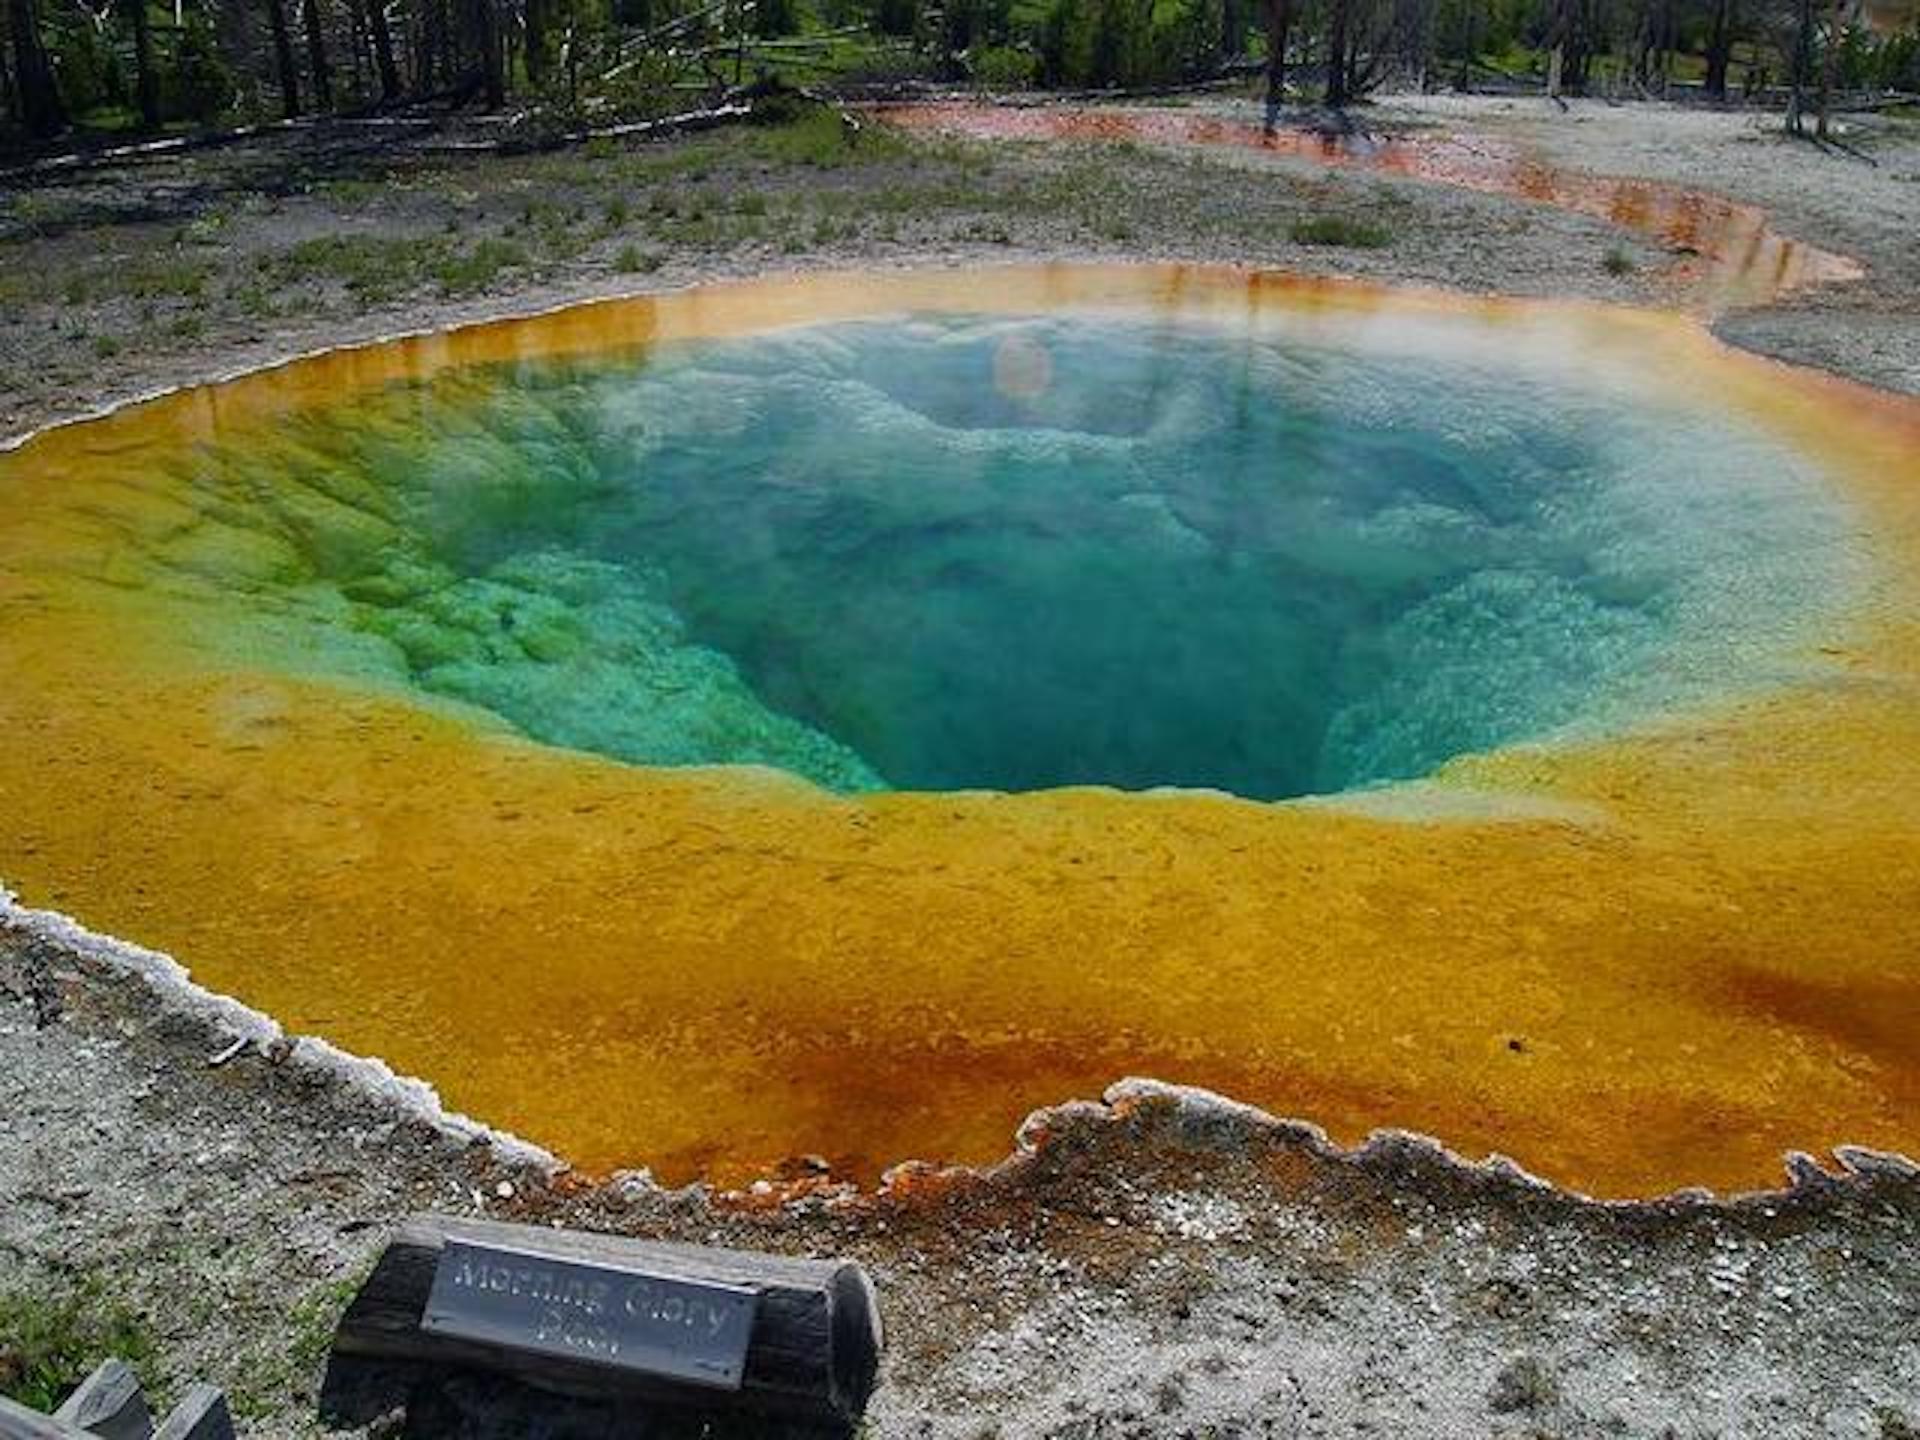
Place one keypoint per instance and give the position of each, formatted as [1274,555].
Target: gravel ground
[1862,201]
[1162,1264]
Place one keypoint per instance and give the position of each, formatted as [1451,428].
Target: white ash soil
[1860,198]
[1168,1268]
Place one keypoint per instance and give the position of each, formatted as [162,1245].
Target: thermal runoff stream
[838,716]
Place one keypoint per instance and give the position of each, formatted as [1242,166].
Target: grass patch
[1341,231]
[352,191]
[464,272]
[375,268]
[50,1343]
[142,278]
[1617,261]
[166,277]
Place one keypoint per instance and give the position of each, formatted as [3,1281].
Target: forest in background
[111,68]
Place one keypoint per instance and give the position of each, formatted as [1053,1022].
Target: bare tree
[1723,21]
[1279,31]
[1339,27]
[1830,69]
[1800,66]
[382,37]
[1653,41]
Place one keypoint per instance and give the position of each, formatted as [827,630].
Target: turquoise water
[1010,554]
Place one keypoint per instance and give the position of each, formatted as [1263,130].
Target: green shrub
[197,85]
[1002,67]
[89,70]
[817,136]
[897,17]
[1339,230]
[1096,44]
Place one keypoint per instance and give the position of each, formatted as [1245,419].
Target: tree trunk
[283,58]
[486,34]
[1279,27]
[1233,30]
[146,83]
[1802,67]
[536,17]
[426,46]
[9,91]
[1830,68]
[317,55]
[1337,53]
[383,50]
[1721,21]
[41,109]
[359,46]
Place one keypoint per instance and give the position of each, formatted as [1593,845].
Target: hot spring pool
[1009,553]
[833,716]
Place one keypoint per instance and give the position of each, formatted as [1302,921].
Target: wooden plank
[109,1404]
[202,1414]
[17,1422]
[812,1356]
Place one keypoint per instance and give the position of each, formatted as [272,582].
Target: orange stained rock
[1633,964]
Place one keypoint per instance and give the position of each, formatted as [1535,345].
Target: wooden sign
[515,1327]
[692,1330]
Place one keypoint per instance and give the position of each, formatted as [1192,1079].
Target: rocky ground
[1162,1264]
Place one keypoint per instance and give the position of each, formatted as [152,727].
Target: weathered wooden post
[109,1405]
[462,1316]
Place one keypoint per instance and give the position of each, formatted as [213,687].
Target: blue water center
[947,553]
